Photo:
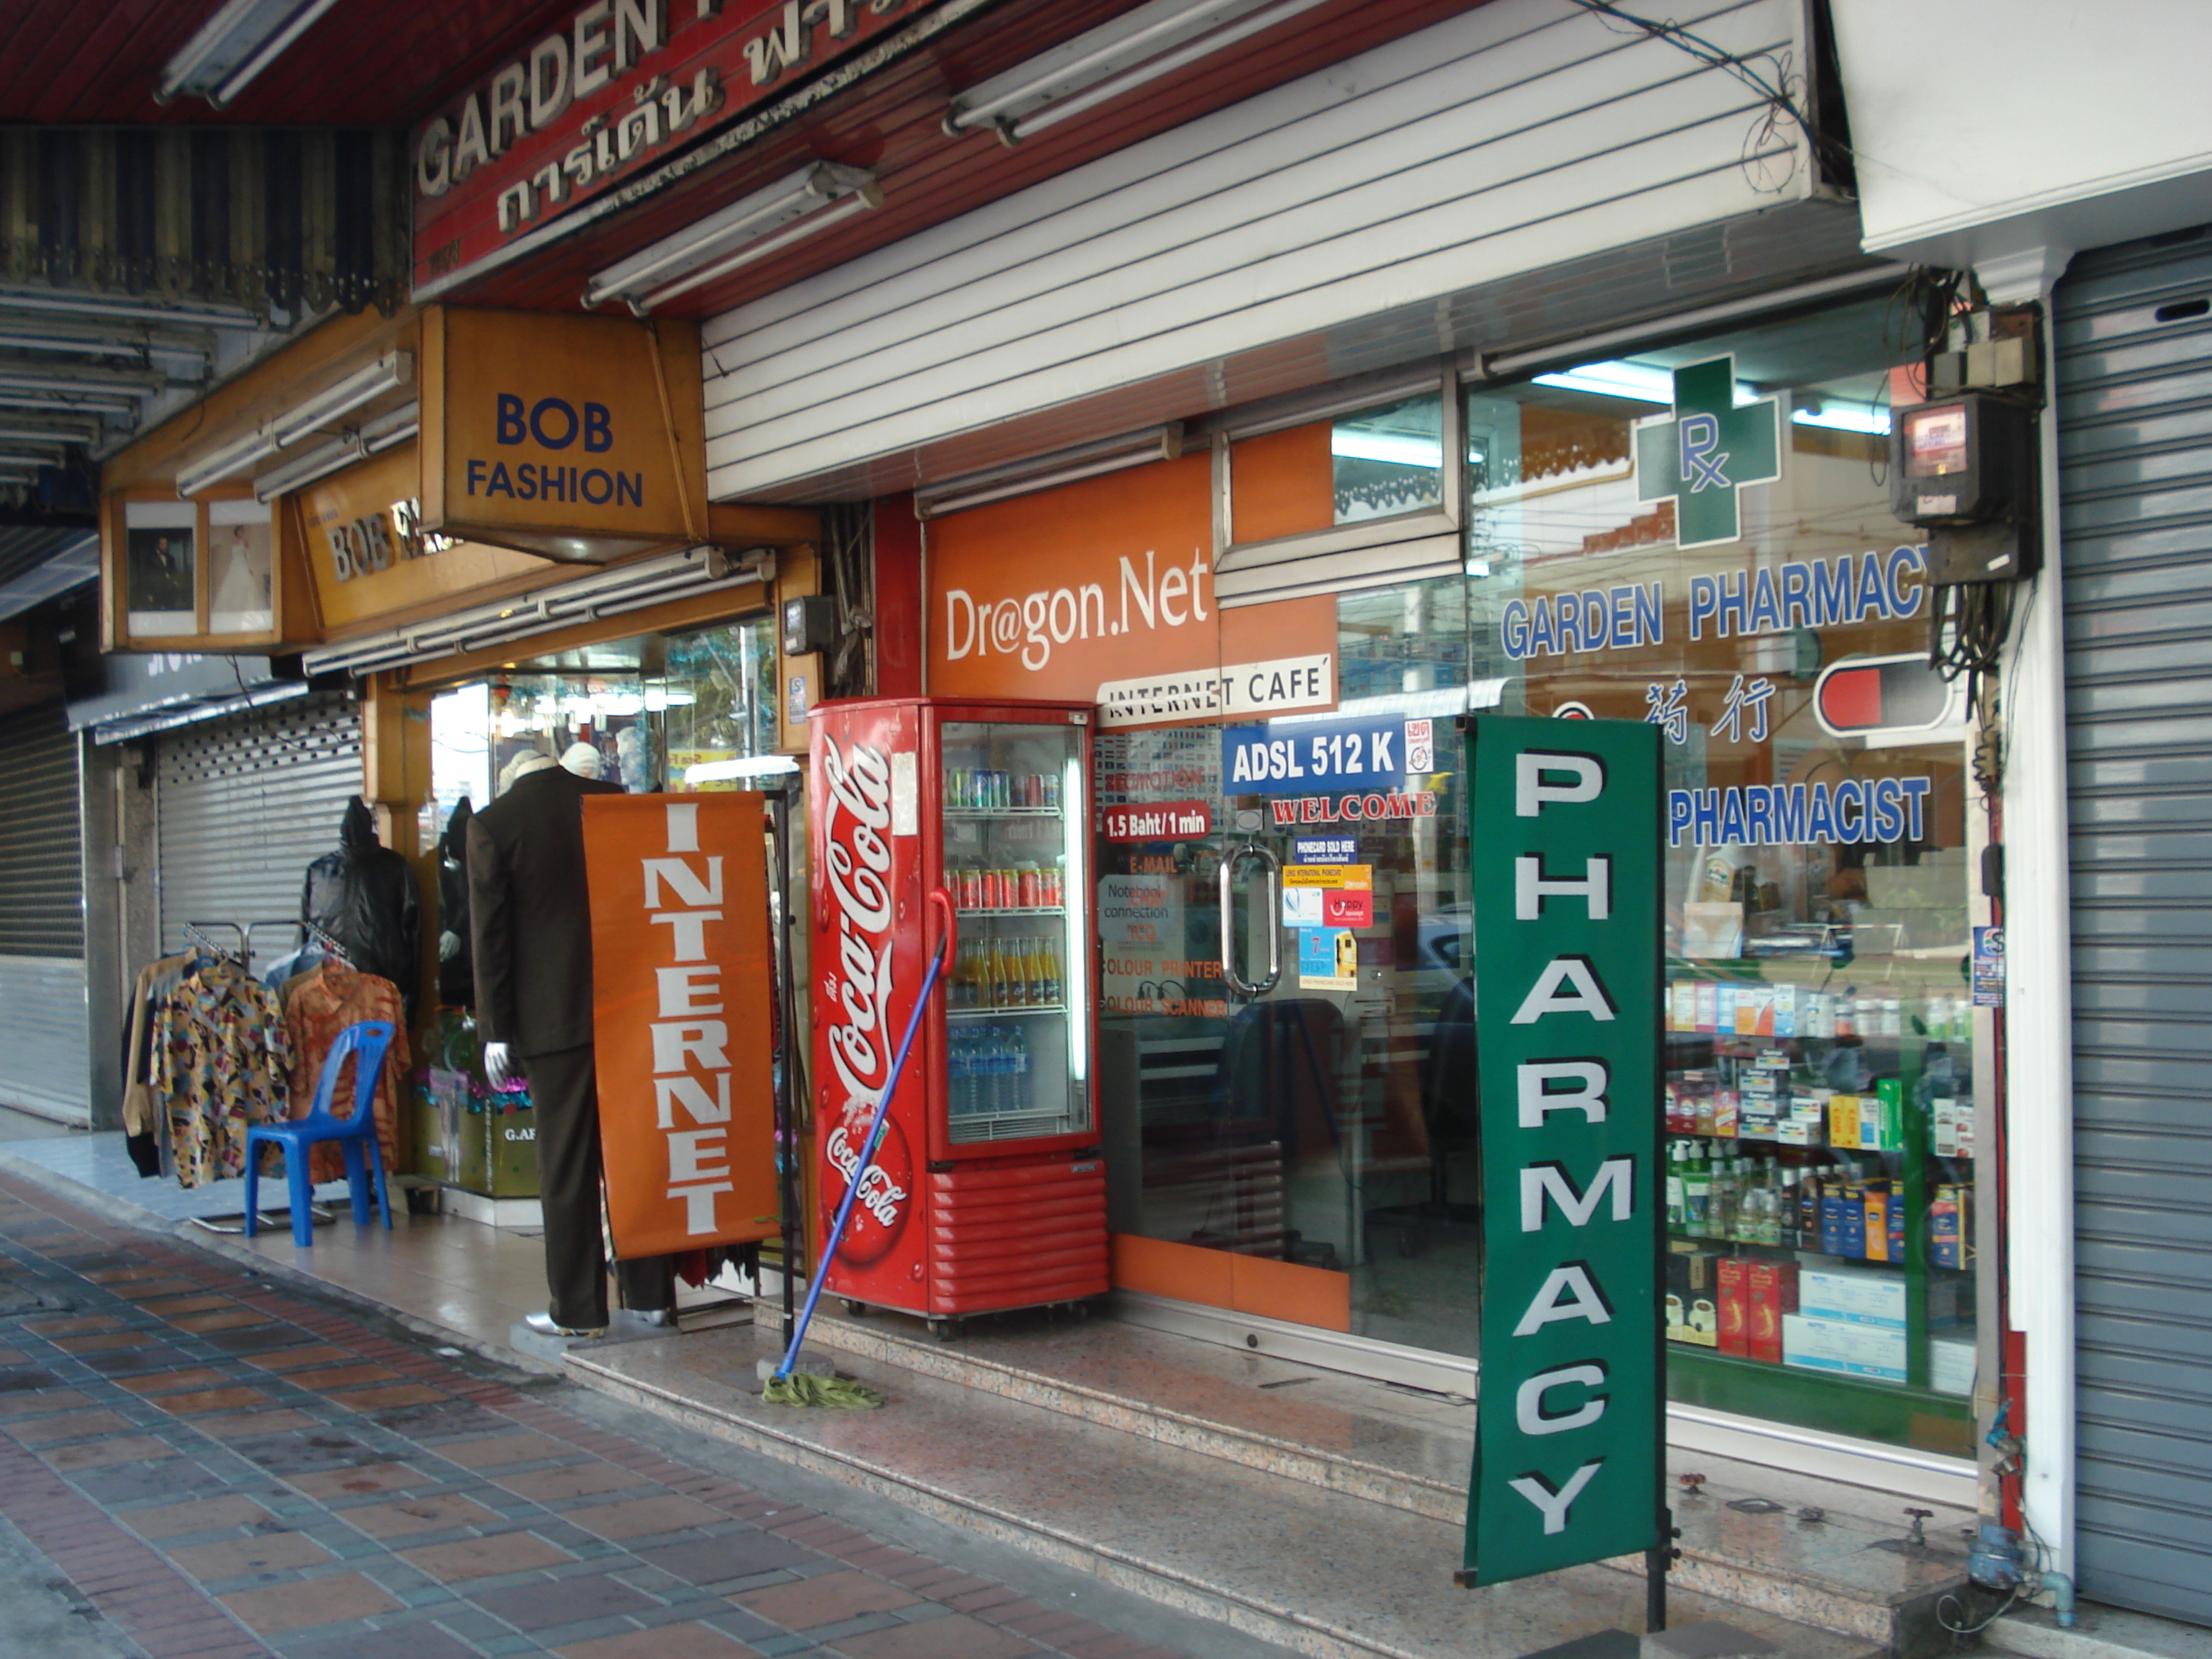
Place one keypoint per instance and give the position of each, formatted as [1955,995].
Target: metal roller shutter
[246,803]
[43,1059]
[2134,381]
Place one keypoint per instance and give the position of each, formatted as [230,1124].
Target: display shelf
[977,814]
[1894,1413]
[1012,1008]
[988,910]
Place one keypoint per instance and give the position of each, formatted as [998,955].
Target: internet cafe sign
[679,951]
[1569,1441]
[617,86]
[1101,591]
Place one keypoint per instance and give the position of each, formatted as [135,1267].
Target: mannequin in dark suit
[530,932]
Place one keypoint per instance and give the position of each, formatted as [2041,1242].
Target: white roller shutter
[245,804]
[43,1058]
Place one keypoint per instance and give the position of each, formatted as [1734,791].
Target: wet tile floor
[220,1466]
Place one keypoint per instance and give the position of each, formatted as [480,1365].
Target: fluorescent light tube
[53,459]
[1403,449]
[1046,471]
[1116,57]
[218,464]
[235,45]
[387,373]
[72,402]
[745,230]
[77,307]
[80,380]
[372,438]
[1845,417]
[69,433]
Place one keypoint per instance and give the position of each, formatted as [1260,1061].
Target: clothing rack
[196,935]
[329,942]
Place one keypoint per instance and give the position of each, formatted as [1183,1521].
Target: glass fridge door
[1017,1065]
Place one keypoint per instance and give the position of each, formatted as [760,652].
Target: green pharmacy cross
[1707,450]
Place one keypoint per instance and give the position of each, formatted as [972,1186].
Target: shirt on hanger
[219,1059]
[317,1007]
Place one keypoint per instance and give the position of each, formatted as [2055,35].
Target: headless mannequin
[531,932]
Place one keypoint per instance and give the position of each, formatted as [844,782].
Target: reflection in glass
[1388,460]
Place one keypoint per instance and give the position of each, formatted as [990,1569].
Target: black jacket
[529,917]
[363,896]
[456,977]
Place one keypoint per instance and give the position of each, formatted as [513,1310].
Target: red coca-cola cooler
[938,815]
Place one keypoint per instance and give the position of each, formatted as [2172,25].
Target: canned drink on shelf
[1030,894]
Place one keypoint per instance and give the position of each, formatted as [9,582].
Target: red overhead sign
[621,85]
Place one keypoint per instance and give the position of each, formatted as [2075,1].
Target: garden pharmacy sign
[1569,1433]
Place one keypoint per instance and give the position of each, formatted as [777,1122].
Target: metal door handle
[1237,982]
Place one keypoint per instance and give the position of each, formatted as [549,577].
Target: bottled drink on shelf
[1697,1192]
[1018,1072]
[1675,1167]
[1054,993]
[1787,1230]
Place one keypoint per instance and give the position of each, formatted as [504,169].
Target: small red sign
[1347,907]
[1169,820]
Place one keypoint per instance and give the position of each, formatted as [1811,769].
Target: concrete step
[1743,1540]
[1318,1570]
[2098,1632]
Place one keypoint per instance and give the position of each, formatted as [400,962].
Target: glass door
[1017,1065]
[1287,1045]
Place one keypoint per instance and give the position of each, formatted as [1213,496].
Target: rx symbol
[1702,460]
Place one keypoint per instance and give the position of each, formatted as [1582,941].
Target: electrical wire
[1978,617]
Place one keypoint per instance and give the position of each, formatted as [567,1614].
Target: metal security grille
[41,862]
[2134,381]
[246,803]
[42,1012]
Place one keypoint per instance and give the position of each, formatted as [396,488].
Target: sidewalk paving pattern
[220,1467]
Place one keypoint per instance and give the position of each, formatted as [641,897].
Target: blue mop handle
[867,1154]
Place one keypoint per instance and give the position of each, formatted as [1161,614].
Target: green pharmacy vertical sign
[1570,1428]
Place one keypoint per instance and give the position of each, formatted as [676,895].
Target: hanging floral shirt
[319,1007]
[221,1063]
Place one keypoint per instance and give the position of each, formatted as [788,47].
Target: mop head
[803,1388]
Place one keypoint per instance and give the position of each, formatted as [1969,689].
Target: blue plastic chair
[367,1042]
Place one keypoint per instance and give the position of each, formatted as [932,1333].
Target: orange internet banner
[681,978]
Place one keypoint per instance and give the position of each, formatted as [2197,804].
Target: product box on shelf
[1951,1366]
[1728,1114]
[1724,1009]
[1682,1003]
[1806,1123]
[1754,1010]
[1852,1296]
[1844,1121]
[1943,1127]
[1772,1289]
[1786,999]
[1708,1006]
[1692,1304]
[1947,1233]
[1874,1209]
[1842,1348]
[1734,1302]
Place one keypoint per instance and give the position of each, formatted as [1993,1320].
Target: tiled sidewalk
[220,1467]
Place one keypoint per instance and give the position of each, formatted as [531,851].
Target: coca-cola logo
[859,985]
[856,862]
[879,1211]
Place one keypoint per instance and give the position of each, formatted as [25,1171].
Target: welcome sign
[1569,1435]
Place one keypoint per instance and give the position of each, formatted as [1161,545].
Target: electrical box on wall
[1963,468]
[799,671]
